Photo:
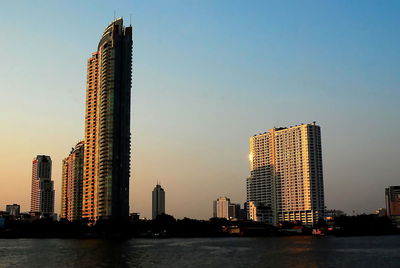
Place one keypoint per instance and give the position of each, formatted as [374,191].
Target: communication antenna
[114,14]
[130,19]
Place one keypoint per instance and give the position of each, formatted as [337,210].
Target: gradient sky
[208,75]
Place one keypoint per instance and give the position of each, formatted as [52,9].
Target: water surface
[376,251]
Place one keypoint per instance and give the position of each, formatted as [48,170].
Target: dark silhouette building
[42,192]
[158,201]
[392,198]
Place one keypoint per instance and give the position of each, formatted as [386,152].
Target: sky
[207,75]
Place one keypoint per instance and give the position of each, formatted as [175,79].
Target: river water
[371,251]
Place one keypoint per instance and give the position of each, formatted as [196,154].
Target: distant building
[158,201]
[334,213]
[392,198]
[223,208]
[234,211]
[286,173]
[42,192]
[134,217]
[381,212]
[215,209]
[13,210]
[260,213]
[72,184]
[331,214]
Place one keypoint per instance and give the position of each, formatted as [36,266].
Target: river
[298,251]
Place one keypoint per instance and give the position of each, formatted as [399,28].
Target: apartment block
[42,189]
[286,173]
[72,184]
[106,170]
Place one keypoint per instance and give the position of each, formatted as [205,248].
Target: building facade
[392,200]
[42,190]
[106,169]
[223,208]
[13,210]
[286,173]
[72,184]
[260,213]
[158,201]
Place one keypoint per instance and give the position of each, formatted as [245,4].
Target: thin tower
[107,126]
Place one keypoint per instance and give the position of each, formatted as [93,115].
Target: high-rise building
[72,184]
[13,210]
[392,198]
[158,201]
[223,208]
[42,192]
[286,173]
[107,126]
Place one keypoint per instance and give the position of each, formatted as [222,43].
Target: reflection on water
[199,252]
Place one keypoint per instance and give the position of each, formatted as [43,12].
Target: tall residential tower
[106,169]
[72,182]
[42,191]
[286,173]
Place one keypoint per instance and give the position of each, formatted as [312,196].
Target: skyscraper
[158,201]
[72,182]
[107,126]
[286,173]
[42,191]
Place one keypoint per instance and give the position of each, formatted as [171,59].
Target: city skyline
[193,118]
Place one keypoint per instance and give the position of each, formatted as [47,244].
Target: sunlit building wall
[42,189]
[72,184]
[286,173]
[223,207]
[107,126]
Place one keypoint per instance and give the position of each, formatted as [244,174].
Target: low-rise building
[13,209]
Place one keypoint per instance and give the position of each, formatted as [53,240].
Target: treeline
[163,227]
[166,226]
[364,225]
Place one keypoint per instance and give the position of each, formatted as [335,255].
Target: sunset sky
[207,75]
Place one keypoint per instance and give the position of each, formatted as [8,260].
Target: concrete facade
[286,173]
[107,126]
[42,189]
